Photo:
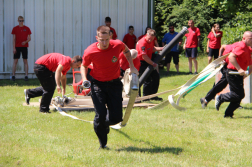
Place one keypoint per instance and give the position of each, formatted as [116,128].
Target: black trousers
[235,95]
[151,84]
[47,88]
[219,86]
[106,94]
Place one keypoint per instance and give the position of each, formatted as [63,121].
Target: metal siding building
[65,26]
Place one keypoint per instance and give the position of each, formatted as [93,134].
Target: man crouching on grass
[106,86]
[44,68]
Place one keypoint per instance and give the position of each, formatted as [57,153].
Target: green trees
[234,17]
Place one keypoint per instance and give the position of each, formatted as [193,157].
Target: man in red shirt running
[44,68]
[108,23]
[192,42]
[21,37]
[130,39]
[239,60]
[106,86]
[222,83]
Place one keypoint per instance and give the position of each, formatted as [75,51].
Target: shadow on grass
[172,73]
[155,149]
[246,117]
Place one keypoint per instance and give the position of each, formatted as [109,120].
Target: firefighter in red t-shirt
[44,68]
[130,39]
[214,42]
[145,47]
[192,42]
[222,83]
[239,60]
[108,23]
[21,37]
[106,86]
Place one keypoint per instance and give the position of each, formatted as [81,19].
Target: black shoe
[203,102]
[218,103]
[240,107]
[13,78]
[189,73]
[157,98]
[178,73]
[195,73]
[26,78]
[45,112]
[166,73]
[27,98]
[103,148]
[228,116]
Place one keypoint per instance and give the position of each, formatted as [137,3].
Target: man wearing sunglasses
[21,37]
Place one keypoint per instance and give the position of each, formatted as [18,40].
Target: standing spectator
[130,39]
[214,42]
[44,68]
[145,47]
[192,41]
[174,51]
[108,23]
[21,37]
[106,86]
[239,60]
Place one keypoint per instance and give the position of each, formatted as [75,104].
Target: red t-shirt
[21,34]
[105,62]
[124,64]
[144,48]
[52,60]
[114,33]
[243,53]
[229,49]
[130,40]
[214,43]
[192,37]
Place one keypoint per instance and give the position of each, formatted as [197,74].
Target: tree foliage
[205,13]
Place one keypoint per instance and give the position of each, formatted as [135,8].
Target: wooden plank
[77,27]
[49,27]
[68,28]
[30,22]
[58,26]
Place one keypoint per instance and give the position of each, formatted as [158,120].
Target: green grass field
[164,137]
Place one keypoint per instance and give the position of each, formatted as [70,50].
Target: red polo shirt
[21,34]
[214,43]
[105,62]
[144,48]
[52,60]
[243,53]
[191,37]
[229,49]
[114,33]
[130,40]
[124,64]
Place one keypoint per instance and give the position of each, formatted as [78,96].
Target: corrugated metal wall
[64,26]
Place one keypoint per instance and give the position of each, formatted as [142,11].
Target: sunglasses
[21,20]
